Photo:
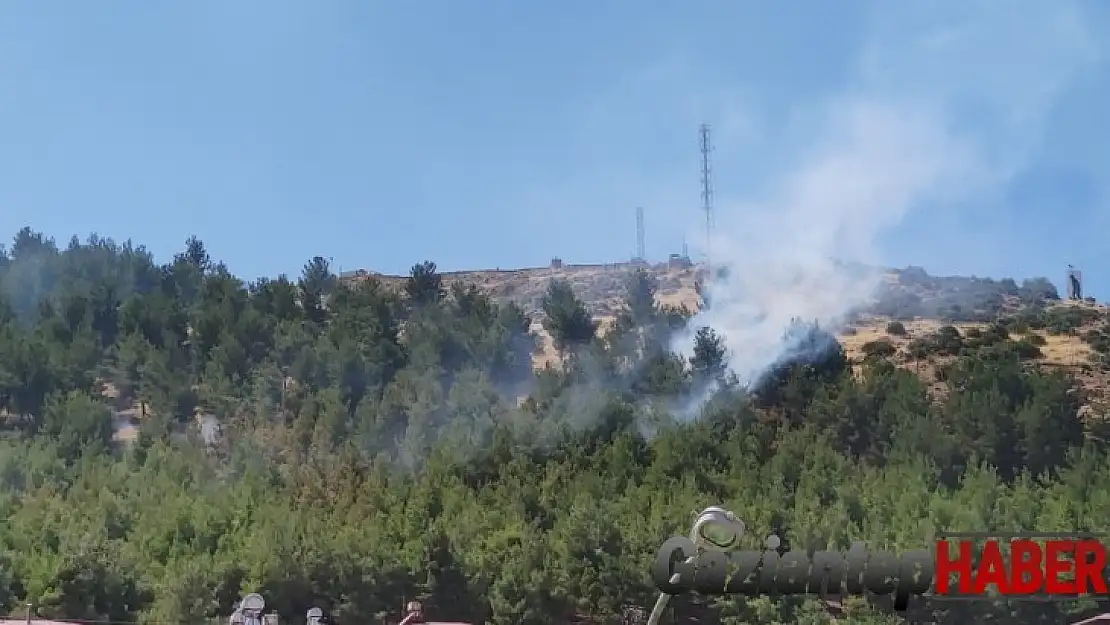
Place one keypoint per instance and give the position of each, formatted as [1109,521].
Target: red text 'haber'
[1066,567]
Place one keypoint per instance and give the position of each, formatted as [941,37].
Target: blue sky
[968,137]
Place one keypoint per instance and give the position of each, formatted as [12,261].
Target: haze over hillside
[923,304]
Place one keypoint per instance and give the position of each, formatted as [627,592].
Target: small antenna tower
[706,186]
[640,255]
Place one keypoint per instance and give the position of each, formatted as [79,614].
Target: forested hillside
[378,444]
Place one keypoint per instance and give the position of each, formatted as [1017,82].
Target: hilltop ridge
[1064,332]
[904,293]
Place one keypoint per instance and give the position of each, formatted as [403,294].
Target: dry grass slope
[1067,352]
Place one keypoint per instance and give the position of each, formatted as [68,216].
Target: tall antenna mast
[640,255]
[706,187]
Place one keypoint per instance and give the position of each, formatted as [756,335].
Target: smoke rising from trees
[892,143]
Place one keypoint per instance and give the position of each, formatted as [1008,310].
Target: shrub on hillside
[1026,350]
[946,341]
[993,334]
[1098,340]
[1033,319]
[1066,319]
[919,349]
[1038,290]
[1036,339]
[998,330]
[881,348]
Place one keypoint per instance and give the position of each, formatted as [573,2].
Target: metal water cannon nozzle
[717,528]
[249,611]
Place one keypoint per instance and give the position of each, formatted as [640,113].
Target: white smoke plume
[948,104]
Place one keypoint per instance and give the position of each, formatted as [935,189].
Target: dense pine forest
[364,445]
